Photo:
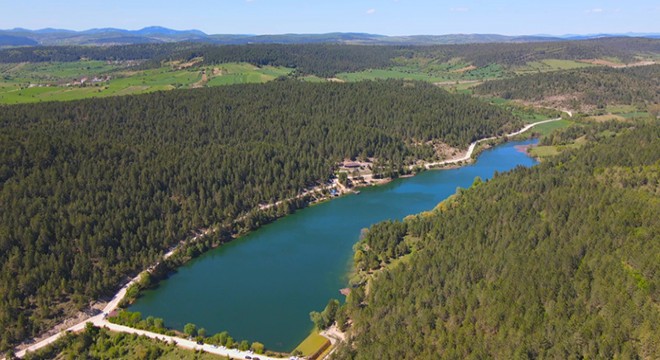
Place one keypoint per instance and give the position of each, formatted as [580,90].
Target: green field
[34,72]
[313,344]
[30,83]
[428,70]
[542,152]
[620,109]
[547,128]
[550,65]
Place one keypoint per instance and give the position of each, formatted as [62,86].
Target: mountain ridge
[158,34]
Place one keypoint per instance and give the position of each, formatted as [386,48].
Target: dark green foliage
[555,261]
[329,59]
[323,60]
[326,318]
[76,53]
[594,86]
[382,243]
[590,131]
[134,320]
[190,329]
[95,190]
[520,54]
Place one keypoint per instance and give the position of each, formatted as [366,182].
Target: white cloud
[459,9]
[595,11]
[371,11]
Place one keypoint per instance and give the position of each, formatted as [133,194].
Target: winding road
[468,155]
[100,321]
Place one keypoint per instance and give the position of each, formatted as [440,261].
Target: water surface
[263,286]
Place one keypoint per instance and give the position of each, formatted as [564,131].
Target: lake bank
[262,286]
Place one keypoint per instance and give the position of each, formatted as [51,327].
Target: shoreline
[322,193]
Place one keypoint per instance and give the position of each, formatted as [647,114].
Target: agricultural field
[543,152]
[30,83]
[547,128]
[550,65]
[54,72]
[626,111]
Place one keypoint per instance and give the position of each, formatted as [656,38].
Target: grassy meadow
[30,83]
[314,344]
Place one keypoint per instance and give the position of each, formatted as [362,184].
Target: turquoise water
[263,286]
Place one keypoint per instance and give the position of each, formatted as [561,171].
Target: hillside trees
[593,86]
[555,261]
[95,190]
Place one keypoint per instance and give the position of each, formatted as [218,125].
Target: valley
[215,198]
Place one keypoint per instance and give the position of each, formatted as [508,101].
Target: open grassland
[550,65]
[626,111]
[30,83]
[606,117]
[541,152]
[547,128]
[34,72]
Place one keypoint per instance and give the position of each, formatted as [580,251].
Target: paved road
[468,155]
[98,320]
[185,343]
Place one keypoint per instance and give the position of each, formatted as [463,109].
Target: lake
[262,286]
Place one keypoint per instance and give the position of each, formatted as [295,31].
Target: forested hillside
[326,60]
[592,86]
[556,261]
[624,49]
[94,190]
[76,53]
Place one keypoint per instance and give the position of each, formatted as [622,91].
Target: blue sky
[388,17]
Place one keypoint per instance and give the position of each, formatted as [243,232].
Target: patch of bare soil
[70,320]
[445,151]
[456,82]
[565,102]
[462,70]
[607,117]
[188,64]
[334,334]
[202,82]
[615,64]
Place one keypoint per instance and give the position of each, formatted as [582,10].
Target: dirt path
[99,320]
[468,154]
[113,304]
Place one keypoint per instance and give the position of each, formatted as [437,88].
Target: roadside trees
[190,329]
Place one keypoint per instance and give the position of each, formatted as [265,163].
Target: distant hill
[10,40]
[157,34]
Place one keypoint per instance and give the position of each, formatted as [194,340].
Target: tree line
[599,86]
[95,190]
[555,261]
[326,60]
[102,344]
